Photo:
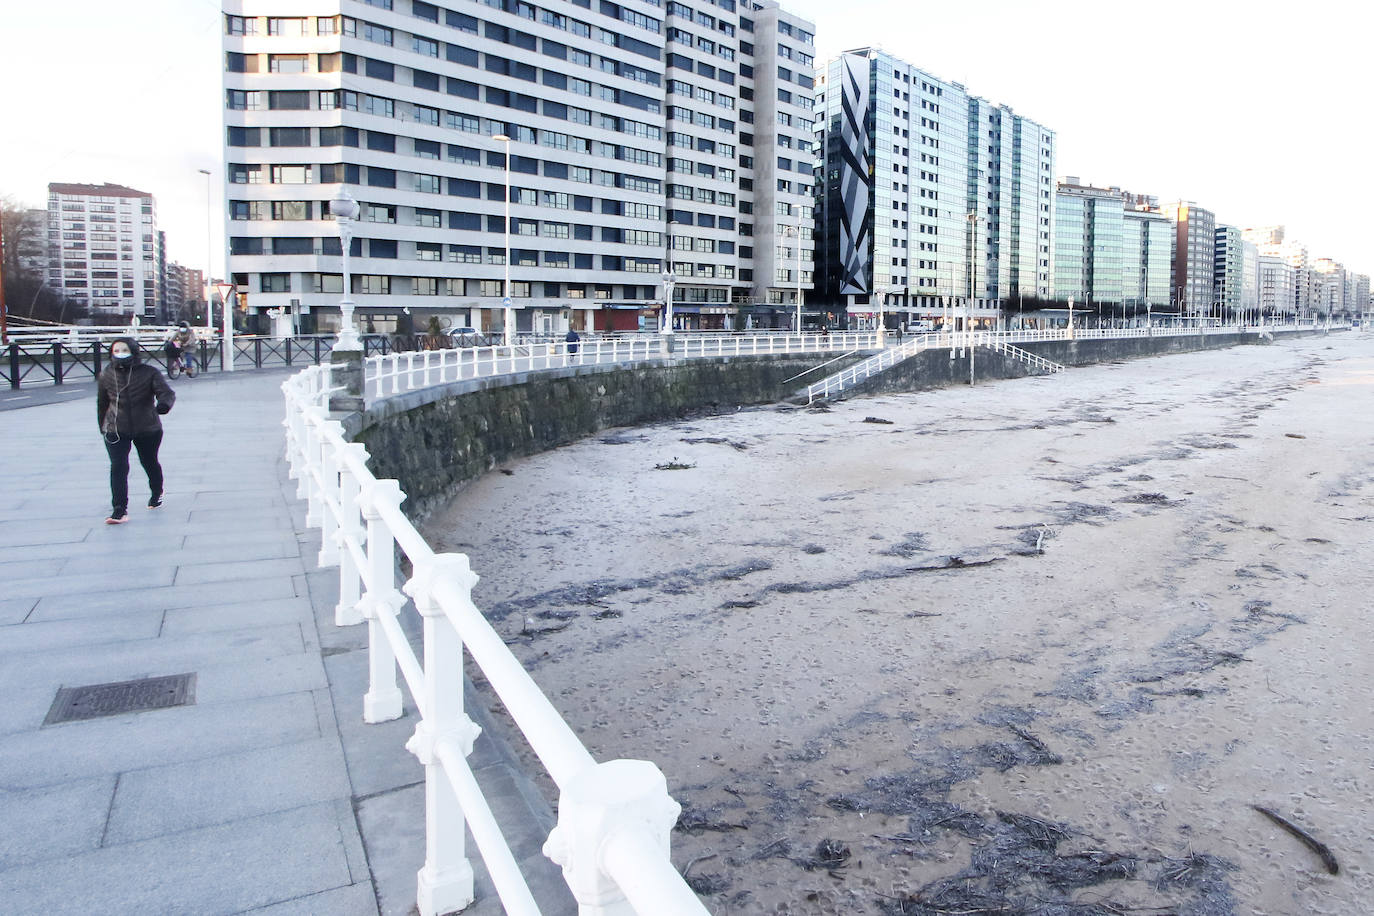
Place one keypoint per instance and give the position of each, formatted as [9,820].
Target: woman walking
[129,397]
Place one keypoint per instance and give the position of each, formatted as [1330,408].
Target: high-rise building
[1147,255]
[927,194]
[102,249]
[777,154]
[1329,287]
[1228,270]
[1089,261]
[1277,295]
[1273,243]
[635,129]
[1362,301]
[1194,252]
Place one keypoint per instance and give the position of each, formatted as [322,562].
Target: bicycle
[176,363]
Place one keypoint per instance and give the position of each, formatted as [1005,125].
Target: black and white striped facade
[908,160]
[637,128]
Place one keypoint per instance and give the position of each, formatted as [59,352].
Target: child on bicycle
[181,345]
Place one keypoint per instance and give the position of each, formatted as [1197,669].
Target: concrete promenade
[266,792]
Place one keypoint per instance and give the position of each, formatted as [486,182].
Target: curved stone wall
[435,440]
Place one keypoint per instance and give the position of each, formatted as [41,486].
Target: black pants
[147,445]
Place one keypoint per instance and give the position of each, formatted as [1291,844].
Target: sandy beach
[1035,646]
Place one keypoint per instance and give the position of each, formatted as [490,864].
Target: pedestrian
[181,344]
[130,395]
[572,340]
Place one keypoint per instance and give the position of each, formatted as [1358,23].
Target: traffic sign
[225,290]
[505,303]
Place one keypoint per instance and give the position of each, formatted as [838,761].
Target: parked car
[467,337]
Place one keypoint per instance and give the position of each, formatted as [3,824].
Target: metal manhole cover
[73,704]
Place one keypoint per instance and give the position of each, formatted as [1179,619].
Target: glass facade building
[924,188]
[1146,248]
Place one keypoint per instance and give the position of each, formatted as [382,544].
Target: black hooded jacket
[130,398]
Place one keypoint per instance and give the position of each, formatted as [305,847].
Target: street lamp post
[209,321]
[345,210]
[508,316]
[1071,318]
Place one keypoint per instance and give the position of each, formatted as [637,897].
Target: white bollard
[444,884]
[346,612]
[383,699]
[606,809]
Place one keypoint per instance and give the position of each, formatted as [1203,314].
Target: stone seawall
[935,368]
[434,441]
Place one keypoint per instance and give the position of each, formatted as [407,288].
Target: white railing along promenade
[398,372]
[1003,341]
[614,818]
[885,359]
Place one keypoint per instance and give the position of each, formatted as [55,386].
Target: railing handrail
[612,838]
[393,373]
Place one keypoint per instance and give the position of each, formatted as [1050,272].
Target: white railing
[884,360]
[1002,341]
[1034,360]
[398,372]
[614,818]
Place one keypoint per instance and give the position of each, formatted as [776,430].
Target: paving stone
[30,568]
[217,617]
[56,586]
[216,870]
[126,660]
[54,821]
[353,900]
[254,678]
[166,597]
[14,610]
[169,799]
[82,631]
[79,750]
[236,571]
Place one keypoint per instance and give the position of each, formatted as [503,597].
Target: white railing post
[346,612]
[314,510]
[602,806]
[329,495]
[383,699]
[444,884]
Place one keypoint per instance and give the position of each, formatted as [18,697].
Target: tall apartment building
[1147,254]
[102,247]
[1194,253]
[1330,288]
[1089,235]
[917,177]
[1235,272]
[1273,243]
[628,124]
[1277,287]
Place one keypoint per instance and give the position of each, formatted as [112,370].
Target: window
[292,100]
[274,283]
[288,63]
[291,209]
[292,174]
[427,218]
[293,27]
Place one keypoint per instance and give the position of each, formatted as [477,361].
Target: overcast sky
[1260,111]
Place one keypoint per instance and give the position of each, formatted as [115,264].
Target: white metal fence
[1003,341]
[398,372]
[614,818]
